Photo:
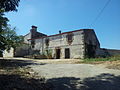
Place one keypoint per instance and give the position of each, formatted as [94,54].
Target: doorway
[67,53]
[57,53]
[90,51]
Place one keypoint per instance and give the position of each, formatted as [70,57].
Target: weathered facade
[74,44]
[64,45]
[81,43]
[26,48]
[33,34]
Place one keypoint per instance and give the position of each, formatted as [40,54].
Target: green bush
[48,53]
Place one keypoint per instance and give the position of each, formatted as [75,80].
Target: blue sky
[50,16]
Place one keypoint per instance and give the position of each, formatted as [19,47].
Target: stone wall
[81,43]
[27,37]
[91,38]
[8,53]
[22,50]
[92,45]
[33,34]
[76,46]
[113,52]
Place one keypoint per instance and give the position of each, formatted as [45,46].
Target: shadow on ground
[104,81]
[16,82]
[17,63]
[101,82]
[12,77]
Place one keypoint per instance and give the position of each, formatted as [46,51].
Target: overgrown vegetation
[110,58]
[48,53]
[37,55]
[8,36]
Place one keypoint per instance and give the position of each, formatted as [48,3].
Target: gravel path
[79,76]
[71,70]
[74,76]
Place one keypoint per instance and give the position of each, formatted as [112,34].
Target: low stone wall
[113,52]
[22,50]
[102,52]
[8,53]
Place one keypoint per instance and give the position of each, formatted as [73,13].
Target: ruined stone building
[73,44]
[82,43]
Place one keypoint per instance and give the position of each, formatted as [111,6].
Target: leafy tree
[11,38]
[3,25]
[8,37]
[9,5]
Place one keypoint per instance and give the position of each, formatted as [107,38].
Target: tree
[9,5]
[8,37]
[3,24]
[11,38]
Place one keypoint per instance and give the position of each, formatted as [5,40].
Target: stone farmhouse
[73,44]
[82,43]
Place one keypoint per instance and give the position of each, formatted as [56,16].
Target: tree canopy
[11,38]
[8,36]
[3,25]
[9,5]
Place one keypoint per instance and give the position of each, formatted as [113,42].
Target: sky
[50,16]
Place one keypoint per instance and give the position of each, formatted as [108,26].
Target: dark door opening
[90,51]
[57,53]
[67,53]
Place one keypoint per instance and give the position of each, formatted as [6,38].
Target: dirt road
[79,76]
[74,76]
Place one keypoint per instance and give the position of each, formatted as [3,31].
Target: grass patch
[93,60]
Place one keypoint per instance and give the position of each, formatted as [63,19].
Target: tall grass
[111,58]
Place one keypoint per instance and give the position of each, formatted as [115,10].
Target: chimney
[34,27]
[59,31]
[33,31]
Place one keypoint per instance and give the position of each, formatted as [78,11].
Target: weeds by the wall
[111,58]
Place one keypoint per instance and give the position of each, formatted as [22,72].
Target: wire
[99,14]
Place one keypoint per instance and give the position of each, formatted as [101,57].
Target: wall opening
[90,51]
[57,53]
[67,53]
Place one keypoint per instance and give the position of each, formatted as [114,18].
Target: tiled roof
[60,34]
